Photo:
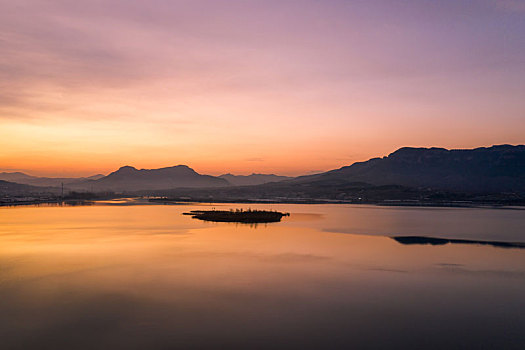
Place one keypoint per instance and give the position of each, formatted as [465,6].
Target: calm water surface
[327,277]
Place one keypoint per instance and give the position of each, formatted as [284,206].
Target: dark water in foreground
[327,277]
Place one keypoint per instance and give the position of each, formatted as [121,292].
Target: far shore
[138,200]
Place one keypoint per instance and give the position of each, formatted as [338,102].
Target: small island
[238,215]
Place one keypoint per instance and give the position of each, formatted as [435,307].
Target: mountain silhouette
[409,175]
[22,178]
[491,174]
[253,179]
[486,169]
[15,189]
[128,178]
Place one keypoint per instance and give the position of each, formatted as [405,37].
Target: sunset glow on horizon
[285,87]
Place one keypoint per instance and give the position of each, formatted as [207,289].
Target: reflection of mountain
[442,241]
[25,179]
[129,178]
[492,169]
[253,179]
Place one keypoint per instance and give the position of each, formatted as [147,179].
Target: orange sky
[282,87]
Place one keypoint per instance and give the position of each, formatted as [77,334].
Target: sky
[242,86]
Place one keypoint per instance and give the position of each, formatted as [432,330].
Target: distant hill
[253,179]
[128,178]
[487,169]
[489,174]
[25,179]
[410,175]
[15,189]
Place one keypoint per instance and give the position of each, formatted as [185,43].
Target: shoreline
[185,201]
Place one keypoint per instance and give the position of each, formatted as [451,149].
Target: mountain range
[407,171]
[25,179]
[486,169]
[419,175]
[128,178]
[15,189]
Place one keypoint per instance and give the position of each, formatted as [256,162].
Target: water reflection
[135,277]
[443,241]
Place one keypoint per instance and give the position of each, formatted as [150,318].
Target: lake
[117,276]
